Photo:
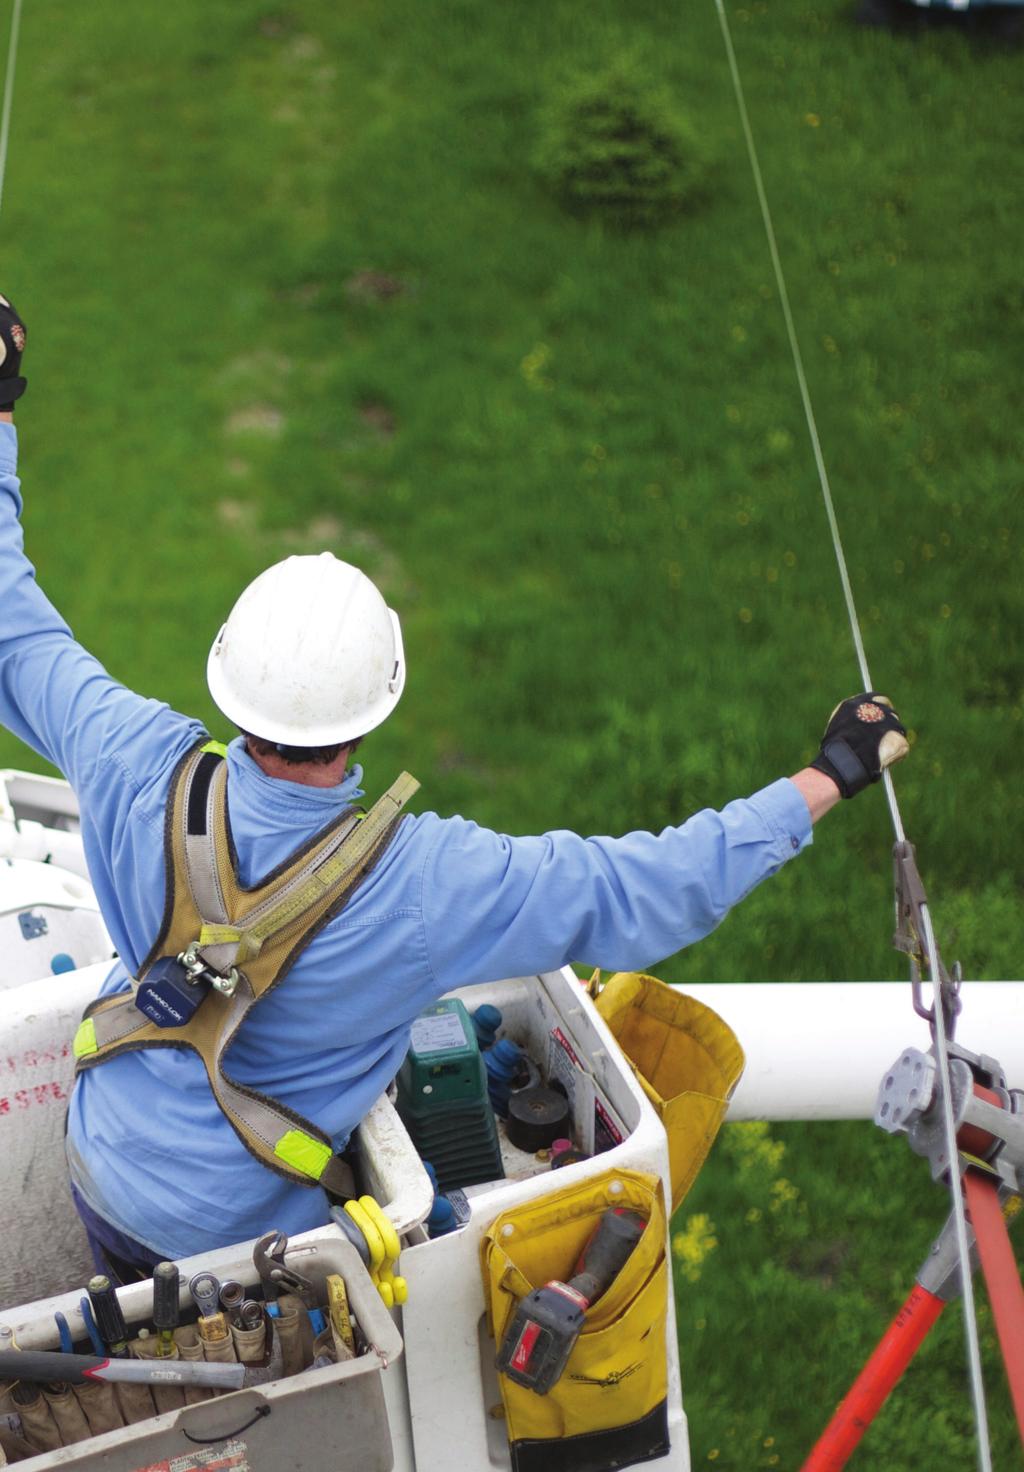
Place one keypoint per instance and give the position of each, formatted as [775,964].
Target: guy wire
[805,397]
[956,1186]
[5,116]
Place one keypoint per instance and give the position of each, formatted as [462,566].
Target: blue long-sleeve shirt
[448,904]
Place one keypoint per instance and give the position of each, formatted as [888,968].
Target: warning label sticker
[608,1132]
[438,1033]
[227,1456]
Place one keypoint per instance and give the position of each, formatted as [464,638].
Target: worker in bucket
[274,943]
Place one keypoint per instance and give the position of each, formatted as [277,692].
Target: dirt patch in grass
[324,532]
[238,515]
[820,1261]
[255,419]
[378,417]
[374,286]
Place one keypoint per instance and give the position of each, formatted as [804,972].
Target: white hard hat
[311,655]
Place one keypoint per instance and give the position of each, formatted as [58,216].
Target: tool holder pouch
[608,1409]
[190,1347]
[39,1429]
[136,1402]
[686,1060]
[67,1413]
[165,1397]
[100,1404]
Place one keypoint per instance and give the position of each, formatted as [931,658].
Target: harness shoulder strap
[277,919]
[264,929]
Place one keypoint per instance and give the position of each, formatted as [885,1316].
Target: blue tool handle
[90,1326]
[67,1345]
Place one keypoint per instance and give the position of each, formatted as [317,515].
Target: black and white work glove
[12,345]
[863,737]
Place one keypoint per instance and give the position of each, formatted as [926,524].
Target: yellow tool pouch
[687,1061]
[609,1407]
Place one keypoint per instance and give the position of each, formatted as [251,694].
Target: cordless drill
[548,1321]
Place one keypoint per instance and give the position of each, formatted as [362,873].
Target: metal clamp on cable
[988,1117]
[909,938]
[988,1130]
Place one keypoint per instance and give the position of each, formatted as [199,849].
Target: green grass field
[292,281]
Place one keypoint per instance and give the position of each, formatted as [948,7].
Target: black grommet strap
[261,1411]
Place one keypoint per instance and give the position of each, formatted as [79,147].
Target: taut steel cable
[939,1024]
[5,115]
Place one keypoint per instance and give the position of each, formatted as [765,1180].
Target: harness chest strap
[260,931]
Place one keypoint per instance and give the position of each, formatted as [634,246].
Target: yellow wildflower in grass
[533,365]
[784,1193]
[758,1162]
[694,1244]
[752,1145]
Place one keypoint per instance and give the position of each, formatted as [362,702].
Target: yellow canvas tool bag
[687,1061]
[609,1408]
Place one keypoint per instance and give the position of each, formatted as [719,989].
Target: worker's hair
[295,756]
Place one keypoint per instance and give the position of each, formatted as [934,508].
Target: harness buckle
[197,970]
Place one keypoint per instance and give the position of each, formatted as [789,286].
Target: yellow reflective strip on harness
[85,1039]
[303,1153]
[219,935]
[217,747]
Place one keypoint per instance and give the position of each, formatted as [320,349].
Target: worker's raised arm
[54,695]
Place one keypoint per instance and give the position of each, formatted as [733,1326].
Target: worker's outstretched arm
[496,906]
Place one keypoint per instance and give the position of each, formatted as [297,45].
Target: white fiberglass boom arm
[819,1049]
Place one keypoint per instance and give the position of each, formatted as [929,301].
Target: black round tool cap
[536,1117]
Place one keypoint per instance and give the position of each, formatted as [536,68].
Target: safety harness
[237,944]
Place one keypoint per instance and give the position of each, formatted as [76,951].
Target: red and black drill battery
[548,1321]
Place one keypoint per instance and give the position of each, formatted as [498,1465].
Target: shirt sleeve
[54,695]
[496,906]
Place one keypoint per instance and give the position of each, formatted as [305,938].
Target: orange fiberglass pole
[1002,1279]
[868,1393]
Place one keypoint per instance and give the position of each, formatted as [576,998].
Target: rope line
[805,397]
[941,1048]
[957,1193]
[5,116]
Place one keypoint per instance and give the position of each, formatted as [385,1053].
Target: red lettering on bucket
[36,1057]
[38,1094]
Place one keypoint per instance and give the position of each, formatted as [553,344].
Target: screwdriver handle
[606,1253]
[166,1300]
[109,1318]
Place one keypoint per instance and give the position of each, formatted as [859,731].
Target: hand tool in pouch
[109,1318]
[548,1321]
[212,1325]
[166,1307]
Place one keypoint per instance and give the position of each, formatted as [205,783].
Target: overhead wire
[931,950]
[5,113]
